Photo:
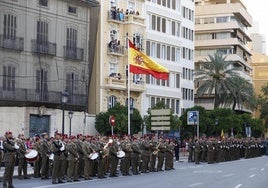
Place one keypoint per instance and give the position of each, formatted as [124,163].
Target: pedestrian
[10,149]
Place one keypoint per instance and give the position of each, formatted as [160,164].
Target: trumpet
[156,149]
[107,144]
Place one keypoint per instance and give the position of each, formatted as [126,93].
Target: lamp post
[64,99]
[70,117]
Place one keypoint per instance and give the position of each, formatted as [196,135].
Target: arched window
[112,100]
[131,102]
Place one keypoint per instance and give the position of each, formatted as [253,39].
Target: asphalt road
[245,173]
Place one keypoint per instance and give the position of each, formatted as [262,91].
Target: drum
[93,156]
[31,156]
[121,154]
[51,156]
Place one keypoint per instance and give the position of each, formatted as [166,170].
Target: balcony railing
[47,48]
[16,43]
[116,49]
[73,53]
[30,95]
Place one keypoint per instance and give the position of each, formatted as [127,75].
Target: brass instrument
[156,149]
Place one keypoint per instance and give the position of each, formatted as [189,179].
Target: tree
[121,122]
[212,78]
[263,104]
[241,94]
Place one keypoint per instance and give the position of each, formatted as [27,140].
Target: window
[43,3]
[131,102]
[112,100]
[10,26]
[72,9]
[72,83]
[158,23]
[42,32]
[41,81]
[177,107]
[137,40]
[177,81]
[173,28]
[131,6]
[148,48]
[71,38]
[113,68]
[153,22]
[168,53]
[152,101]
[163,25]
[9,78]
[158,50]
[113,3]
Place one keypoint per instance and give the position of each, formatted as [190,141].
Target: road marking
[252,176]
[262,169]
[228,175]
[253,169]
[195,184]
[239,185]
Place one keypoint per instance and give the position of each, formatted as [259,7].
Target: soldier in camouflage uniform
[72,171]
[45,153]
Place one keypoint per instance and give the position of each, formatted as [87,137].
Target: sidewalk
[30,171]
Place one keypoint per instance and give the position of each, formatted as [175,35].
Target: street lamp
[70,117]
[64,99]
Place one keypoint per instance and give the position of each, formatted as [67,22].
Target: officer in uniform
[10,149]
[57,148]
[135,156]
[72,171]
[126,147]
[113,148]
[146,154]
[22,163]
[161,154]
[45,153]
[169,155]
[38,162]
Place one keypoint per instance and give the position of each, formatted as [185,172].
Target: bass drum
[93,156]
[121,154]
[31,156]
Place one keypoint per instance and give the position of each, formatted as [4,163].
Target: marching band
[72,158]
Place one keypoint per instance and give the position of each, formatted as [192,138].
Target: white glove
[16,146]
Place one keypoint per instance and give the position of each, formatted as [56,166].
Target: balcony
[30,96]
[73,53]
[121,84]
[45,48]
[116,50]
[134,19]
[16,43]
[116,18]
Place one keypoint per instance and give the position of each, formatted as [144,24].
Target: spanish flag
[140,63]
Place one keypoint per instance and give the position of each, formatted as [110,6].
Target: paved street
[245,173]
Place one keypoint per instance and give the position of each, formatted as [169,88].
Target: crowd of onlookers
[118,14]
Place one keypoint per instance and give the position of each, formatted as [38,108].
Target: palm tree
[241,94]
[213,76]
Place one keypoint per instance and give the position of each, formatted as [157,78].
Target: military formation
[215,150]
[65,158]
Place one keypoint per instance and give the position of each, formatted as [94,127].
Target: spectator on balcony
[113,74]
[137,13]
[113,12]
[112,45]
[121,15]
[118,76]
[127,12]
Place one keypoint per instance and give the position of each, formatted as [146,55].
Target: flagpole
[128,90]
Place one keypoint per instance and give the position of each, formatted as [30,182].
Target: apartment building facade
[120,21]
[222,27]
[170,41]
[45,56]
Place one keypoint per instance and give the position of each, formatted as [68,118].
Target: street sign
[160,119]
[112,120]
[192,117]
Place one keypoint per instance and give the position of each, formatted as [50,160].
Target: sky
[258,9]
